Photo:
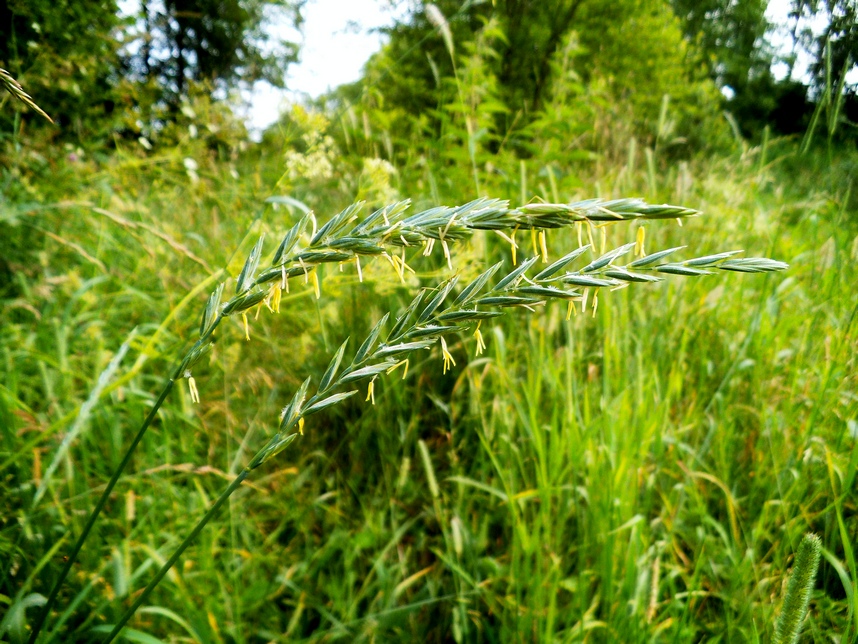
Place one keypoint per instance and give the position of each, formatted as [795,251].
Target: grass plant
[642,472]
[337,241]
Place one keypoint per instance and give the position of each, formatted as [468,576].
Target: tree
[730,36]
[214,41]
[634,48]
[65,53]
[836,40]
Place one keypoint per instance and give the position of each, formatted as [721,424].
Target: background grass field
[641,473]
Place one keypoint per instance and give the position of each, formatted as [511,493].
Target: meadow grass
[644,473]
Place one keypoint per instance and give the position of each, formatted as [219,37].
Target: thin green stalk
[192,356]
[72,556]
[232,487]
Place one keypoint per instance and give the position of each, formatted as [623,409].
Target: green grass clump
[642,471]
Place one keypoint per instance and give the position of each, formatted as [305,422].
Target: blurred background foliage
[641,473]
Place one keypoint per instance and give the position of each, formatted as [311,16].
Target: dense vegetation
[641,471]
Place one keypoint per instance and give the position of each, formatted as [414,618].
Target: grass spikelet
[789,624]
[14,88]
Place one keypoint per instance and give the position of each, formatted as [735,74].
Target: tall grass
[644,472]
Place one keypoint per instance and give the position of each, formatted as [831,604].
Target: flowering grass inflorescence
[387,233]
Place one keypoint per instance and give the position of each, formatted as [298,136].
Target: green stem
[178,553]
[72,557]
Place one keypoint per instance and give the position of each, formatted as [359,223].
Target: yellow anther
[370,391]
[315,278]
[590,235]
[478,335]
[192,387]
[397,365]
[639,242]
[448,358]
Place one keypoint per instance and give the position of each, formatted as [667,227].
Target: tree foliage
[731,38]
[834,46]
[83,59]
[628,55]
[213,41]
[65,53]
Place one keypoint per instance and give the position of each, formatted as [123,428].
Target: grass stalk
[96,511]
[208,516]
[14,88]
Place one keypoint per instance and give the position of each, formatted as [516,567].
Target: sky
[338,38]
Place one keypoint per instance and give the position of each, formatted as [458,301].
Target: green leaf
[607,258]
[289,201]
[210,312]
[547,291]
[357,245]
[293,410]
[515,274]
[455,316]
[243,302]
[753,265]
[366,372]
[708,260]
[402,347]
[403,319]
[276,445]
[435,302]
[507,300]
[389,213]
[130,634]
[652,259]
[680,269]
[625,276]
[432,330]
[586,280]
[471,290]
[337,223]
[323,256]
